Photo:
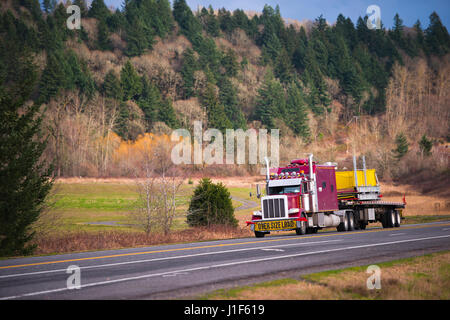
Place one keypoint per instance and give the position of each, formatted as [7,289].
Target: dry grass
[426,277]
[106,240]
[417,202]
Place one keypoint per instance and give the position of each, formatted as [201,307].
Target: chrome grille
[274,208]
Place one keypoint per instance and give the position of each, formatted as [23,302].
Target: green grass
[425,219]
[233,293]
[77,204]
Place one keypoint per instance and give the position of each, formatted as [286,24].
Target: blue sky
[409,10]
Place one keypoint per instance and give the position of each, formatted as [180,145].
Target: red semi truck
[305,197]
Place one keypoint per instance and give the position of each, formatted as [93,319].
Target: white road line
[169,258]
[274,249]
[397,234]
[219,265]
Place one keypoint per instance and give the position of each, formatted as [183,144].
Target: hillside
[133,75]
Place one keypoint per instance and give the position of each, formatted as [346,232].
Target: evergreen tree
[188,69]
[437,38]
[103,41]
[297,116]
[217,117]
[83,7]
[137,38]
[229,62]
[98,10]
[225,20]
[228,98]
[149,101]
[25,180]
[284,69]
[402,146]
[211,205]
[166,114]
[397,31]
[270,102]
[425,146]
[53,77]
[189,25]
[420,38]
[130,82]
[111,86]
[48,5]
[139,32]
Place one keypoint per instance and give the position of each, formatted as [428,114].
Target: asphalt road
[184,270]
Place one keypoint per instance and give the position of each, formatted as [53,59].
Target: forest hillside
[128,77]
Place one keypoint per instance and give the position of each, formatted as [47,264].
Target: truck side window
[332,188]
[324,185]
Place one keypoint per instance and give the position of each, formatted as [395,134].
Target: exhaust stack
[355,171]
[267,169]
[312,185]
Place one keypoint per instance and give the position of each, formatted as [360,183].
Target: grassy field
[84,206]
[425,277]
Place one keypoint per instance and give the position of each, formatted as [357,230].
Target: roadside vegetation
[418,278]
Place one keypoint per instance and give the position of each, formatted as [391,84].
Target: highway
[186,270]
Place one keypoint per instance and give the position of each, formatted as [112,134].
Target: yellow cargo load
[346,179]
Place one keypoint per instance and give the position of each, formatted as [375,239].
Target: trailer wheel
[392,219]
[343,226]
[351,221]
[398,219]
[388,219]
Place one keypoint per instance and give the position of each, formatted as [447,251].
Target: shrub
[211,205]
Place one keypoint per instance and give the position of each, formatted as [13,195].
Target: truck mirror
[258,191]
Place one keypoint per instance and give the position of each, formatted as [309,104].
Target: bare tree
[158,183]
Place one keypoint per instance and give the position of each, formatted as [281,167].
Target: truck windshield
[284,190]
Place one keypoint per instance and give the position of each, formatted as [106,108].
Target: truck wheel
[302,230]
[351,221]
[391,219]
[398,219]
[343,226]
[259,234]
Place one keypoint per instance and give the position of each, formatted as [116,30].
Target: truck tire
[343,226]
[392,219]
[388,219]
[311,230]
[398,219]
[302,230]
[259,234]
[351,221]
